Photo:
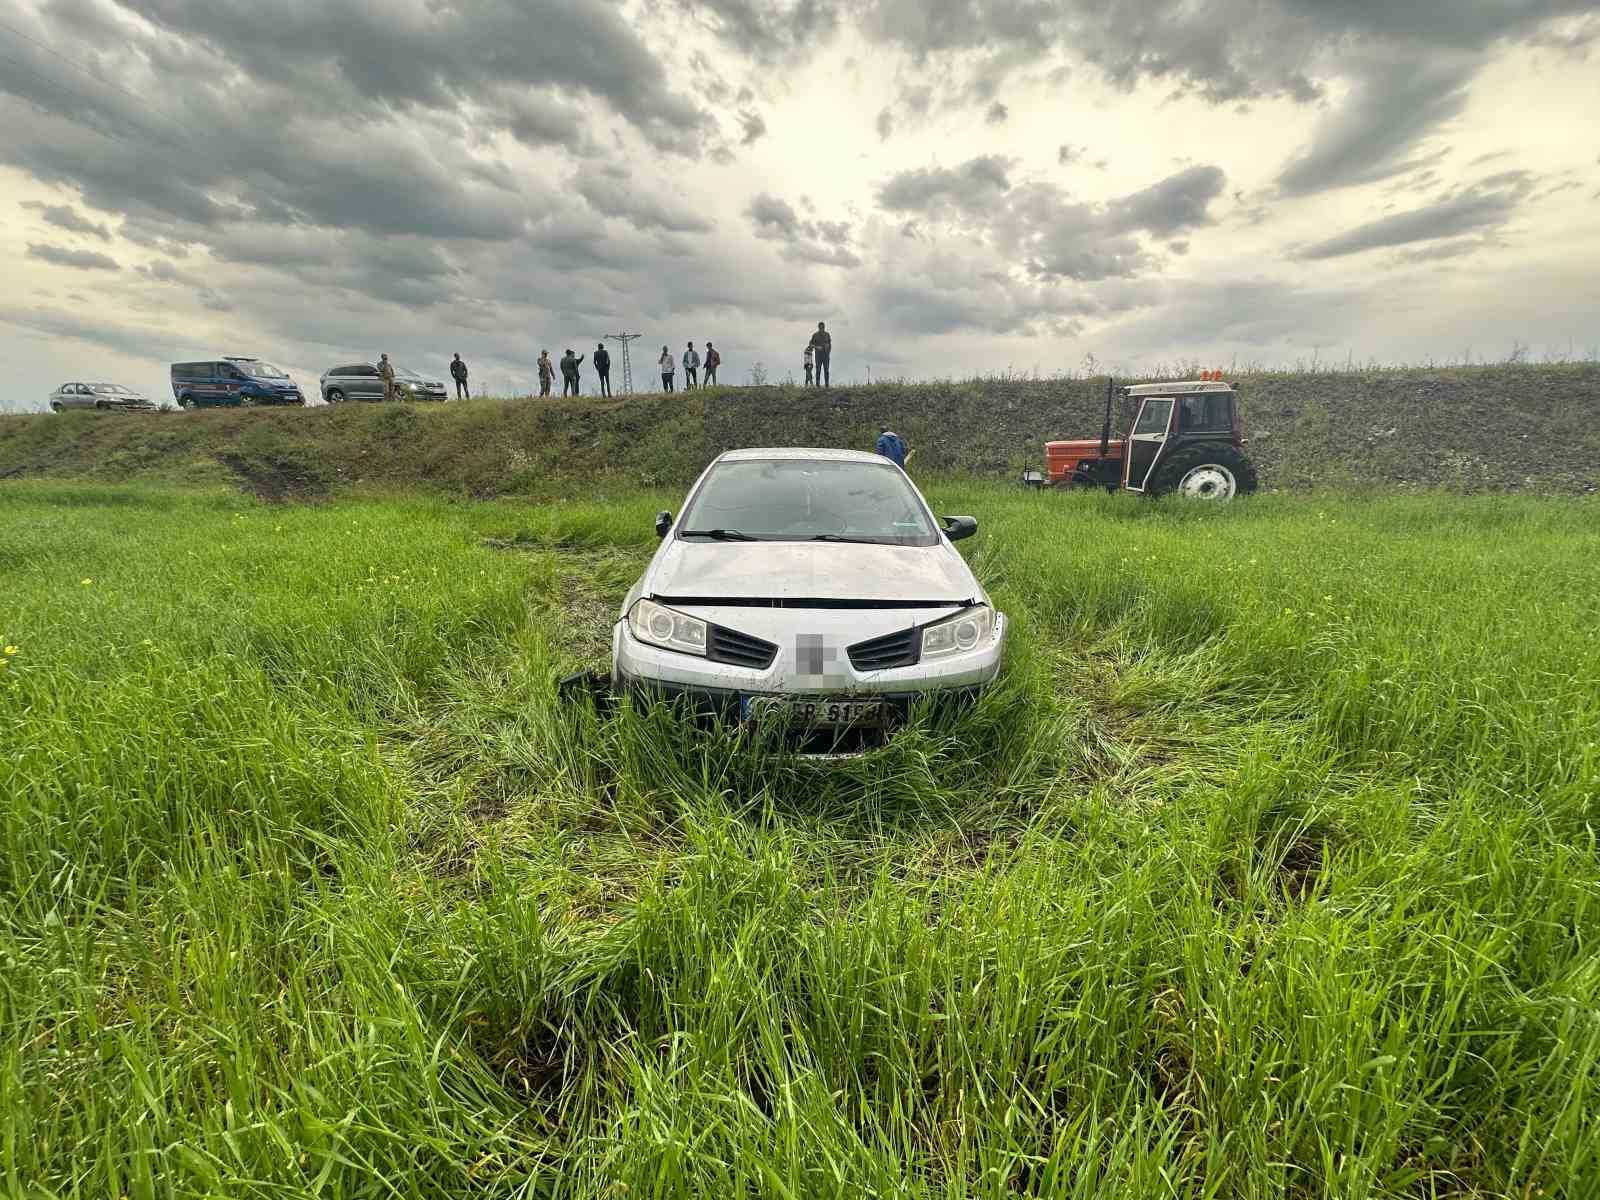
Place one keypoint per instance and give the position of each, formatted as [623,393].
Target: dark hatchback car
[231,382]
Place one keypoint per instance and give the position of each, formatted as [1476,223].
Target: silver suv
[359,381]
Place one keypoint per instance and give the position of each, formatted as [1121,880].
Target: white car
[104,396]
[811,588]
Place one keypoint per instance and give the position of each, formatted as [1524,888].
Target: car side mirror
[956,528]
[663,523]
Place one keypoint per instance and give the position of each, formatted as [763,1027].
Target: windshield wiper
[854,541]
[719,535]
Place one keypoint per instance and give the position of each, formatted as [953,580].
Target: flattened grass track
[1269,870]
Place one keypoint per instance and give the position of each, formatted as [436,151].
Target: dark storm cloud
[1176,203]
[1485,206]
[436,56]
[752,127]
[1406,64]
[1040,226]
[972,186]
[64,216]
[768,29]
[827,243]
[1373,134]
[611,191]
[83,260]
[56,323]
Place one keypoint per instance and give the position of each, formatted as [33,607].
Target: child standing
[808,366]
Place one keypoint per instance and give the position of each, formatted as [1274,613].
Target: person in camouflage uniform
[547,372]
[386,373]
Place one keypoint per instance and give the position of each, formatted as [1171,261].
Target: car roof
[1179,389]
[800,454]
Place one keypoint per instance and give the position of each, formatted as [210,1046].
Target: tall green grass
[1267,870]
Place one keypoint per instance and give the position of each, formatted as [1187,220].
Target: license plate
[836,713]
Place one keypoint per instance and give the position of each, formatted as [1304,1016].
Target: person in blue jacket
[892,446]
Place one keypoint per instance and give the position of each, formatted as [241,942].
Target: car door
[364,382]
[67,395]
[1151,429]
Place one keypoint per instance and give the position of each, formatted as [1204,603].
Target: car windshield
[115,389]
[262,370]
[405,373]
[803,500]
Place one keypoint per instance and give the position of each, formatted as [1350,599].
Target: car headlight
[965,631]
[660,626]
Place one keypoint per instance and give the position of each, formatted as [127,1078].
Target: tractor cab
[1182,437]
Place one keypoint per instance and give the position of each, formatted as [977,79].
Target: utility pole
[627,366]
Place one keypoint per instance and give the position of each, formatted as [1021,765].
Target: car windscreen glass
[800,500]
[405,373]
[262,370]
[114,389]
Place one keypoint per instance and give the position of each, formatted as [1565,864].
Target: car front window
[405,373]
[261,370]
[799,500]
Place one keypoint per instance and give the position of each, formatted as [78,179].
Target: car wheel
[334,396]
[101,405]
[185,402]
[55,406]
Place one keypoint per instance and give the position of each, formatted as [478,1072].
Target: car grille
[897,649]
[738,649]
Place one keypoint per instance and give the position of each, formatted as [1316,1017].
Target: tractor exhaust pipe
[1105,430]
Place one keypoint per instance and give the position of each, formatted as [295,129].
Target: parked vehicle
[809,588]
[231,382]
[1184,438]
[108,397]
[359,381]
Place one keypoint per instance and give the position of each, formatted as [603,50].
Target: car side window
[365,372]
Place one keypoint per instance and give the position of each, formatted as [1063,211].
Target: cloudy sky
[955,186]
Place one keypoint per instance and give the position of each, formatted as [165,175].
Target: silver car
[359,381]
[810,588]
[108,397]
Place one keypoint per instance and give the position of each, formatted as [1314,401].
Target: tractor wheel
[1206,472]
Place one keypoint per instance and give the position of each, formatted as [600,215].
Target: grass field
[1269,870]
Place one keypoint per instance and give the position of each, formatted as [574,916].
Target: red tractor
[1184,438]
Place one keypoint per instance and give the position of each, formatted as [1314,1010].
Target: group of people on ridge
[569,365]
[691,367]
[818,366]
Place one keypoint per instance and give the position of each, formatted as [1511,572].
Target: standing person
[569,372]
[892,446]
[713,361]
[602,367]
[458,372]
[386,373]
[547,372]
[808,356]
[691,365]
[668,369]
[822,343]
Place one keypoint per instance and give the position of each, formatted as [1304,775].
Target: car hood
[811,571]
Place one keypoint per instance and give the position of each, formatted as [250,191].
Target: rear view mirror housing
[663,523]
[1032,477]
[956,528]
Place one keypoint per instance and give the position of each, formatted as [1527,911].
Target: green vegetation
[1505,428]
[1269,870]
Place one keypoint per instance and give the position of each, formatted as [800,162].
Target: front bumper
[721,690]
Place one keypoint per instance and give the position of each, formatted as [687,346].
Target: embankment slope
[1509,428]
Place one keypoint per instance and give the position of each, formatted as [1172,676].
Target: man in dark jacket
[822,349]
[458,372]
[602,367]
[569,372]
[713,360]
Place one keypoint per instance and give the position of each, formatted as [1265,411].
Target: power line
[627,365]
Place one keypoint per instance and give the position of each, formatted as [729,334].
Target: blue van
[230,382]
